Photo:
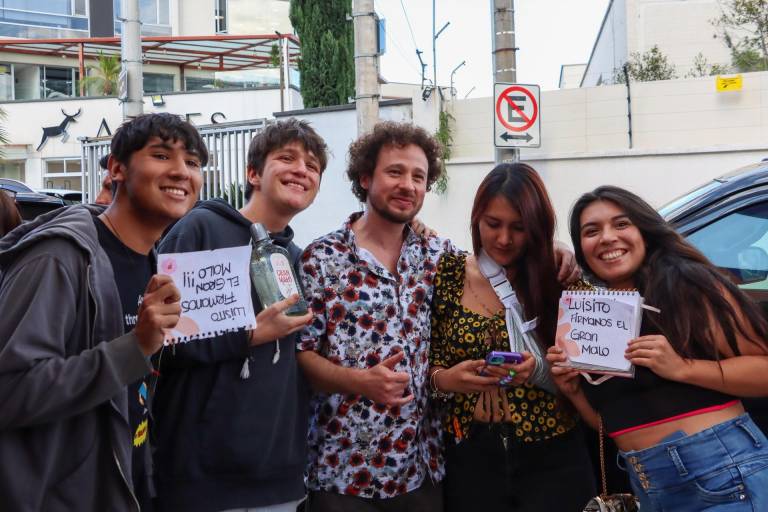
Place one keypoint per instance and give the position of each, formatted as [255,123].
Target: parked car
[68,196]
[727,220]
[30,203]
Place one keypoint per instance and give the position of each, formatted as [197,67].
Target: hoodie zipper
[95,304]
[93,337]
[125,480]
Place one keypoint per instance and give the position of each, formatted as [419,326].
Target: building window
[156,83]
[154,15]
[220,15]
[199,83]
[43,18]
[63,173]
[58,82]
[6,82]
[79,8]
[67,7]
[13,169]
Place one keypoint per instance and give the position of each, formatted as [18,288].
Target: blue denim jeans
[722,468]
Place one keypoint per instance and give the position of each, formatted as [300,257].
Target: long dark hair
[536,279]
[9,214]
[679,280]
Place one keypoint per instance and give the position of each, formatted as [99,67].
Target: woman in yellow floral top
[512,444]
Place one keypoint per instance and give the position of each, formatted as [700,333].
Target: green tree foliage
[647,67]
[274,56]
[745,60]
[744,28]
[104,75]
[701,67]
[444,136]
[327,50]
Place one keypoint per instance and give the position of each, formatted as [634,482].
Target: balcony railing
[223,177]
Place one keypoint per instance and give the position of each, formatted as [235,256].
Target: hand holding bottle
[272,322]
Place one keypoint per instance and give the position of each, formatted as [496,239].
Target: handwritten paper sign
[215,291]
[594,328]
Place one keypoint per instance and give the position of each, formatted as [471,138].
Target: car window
[690,196]
[738,243]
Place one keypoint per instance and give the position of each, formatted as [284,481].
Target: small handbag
[623,502]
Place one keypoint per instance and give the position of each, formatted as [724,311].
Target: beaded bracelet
[435,392]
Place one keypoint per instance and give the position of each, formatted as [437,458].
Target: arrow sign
[516,115]
[507,137]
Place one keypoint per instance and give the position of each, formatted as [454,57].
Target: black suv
[727,220]
[30,203]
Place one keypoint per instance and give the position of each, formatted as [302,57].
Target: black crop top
[647,398]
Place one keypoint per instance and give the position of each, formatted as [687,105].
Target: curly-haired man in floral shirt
[374,443]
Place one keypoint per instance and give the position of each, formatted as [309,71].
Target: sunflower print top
[459,334]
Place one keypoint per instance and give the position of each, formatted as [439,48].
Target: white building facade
[680,28]
[202,61]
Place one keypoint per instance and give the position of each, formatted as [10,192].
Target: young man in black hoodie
[81,315]
[230,417]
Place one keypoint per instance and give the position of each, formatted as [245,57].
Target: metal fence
[224,176]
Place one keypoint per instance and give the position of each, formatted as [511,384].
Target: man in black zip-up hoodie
[71,347]
[230,415]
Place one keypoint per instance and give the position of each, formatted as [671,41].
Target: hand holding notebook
[595,327]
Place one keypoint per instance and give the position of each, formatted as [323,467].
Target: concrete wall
[685,133]
[571,75]
[193,18]
[270,15]
[245,17]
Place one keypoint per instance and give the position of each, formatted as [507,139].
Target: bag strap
[604,494]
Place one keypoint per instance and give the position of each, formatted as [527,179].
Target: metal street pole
[453,73]
[133,104]
[282,76]
[435,35]
[504,60]
[366,66]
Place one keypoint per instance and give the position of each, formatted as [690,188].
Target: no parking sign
[516,116]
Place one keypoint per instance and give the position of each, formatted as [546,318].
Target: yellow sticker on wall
[140,437]
[728,83]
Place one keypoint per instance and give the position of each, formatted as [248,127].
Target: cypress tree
[327,51]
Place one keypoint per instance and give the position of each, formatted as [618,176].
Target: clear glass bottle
[272,273]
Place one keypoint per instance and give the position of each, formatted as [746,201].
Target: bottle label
[283,275]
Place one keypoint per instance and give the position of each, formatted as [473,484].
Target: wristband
[435,392]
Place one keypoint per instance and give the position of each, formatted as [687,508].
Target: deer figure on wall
[60,129]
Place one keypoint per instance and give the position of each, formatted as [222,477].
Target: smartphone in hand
[497,358]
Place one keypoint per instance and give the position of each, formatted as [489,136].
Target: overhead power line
[408,21]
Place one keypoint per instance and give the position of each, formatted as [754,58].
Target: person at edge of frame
[82,314]
[680,427]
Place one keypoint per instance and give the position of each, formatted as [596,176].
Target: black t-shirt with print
[132,273]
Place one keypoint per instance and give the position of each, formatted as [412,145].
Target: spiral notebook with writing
[595,326]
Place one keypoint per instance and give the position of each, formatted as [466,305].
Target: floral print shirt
[362,315]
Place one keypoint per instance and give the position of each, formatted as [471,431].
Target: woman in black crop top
[683,435]
[506,444]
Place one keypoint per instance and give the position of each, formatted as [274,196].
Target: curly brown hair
[364,152]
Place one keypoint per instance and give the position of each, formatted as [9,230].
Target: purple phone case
[497,358]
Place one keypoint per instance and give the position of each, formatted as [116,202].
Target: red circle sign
[505,98]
